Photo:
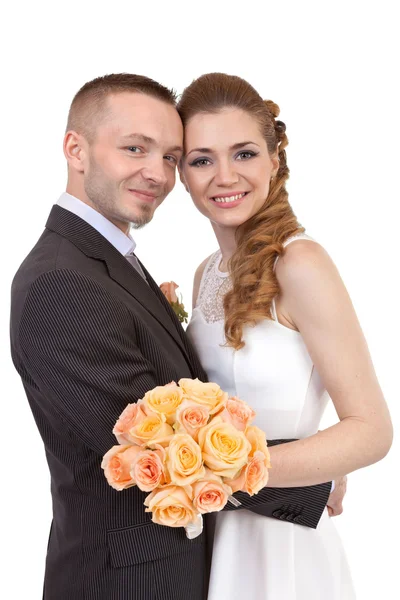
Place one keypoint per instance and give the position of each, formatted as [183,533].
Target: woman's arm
[314,301]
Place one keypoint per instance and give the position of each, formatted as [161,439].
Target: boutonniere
[168,289]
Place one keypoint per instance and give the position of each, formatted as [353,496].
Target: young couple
[272,323]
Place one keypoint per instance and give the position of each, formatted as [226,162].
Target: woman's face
[227,168]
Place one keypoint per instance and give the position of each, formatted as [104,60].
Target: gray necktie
[132,259]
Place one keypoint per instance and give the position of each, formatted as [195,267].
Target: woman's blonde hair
[260,239]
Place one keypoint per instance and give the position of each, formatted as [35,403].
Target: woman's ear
[275,165]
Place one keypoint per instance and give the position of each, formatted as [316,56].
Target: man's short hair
[88,106]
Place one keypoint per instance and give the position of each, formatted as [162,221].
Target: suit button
[298,519]
[290,517]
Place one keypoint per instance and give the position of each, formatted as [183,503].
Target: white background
[332,68]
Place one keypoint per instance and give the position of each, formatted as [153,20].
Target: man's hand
[334,504]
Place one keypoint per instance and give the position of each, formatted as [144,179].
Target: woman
[273,324]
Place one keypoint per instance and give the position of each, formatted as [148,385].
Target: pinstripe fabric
[88,336]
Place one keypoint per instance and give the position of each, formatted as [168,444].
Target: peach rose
[238,413]
[210,494]
[171,506]
[190,417]
[117,464]
[151,429]
[225,449]
[184,460]
[238,482]
[148,470]
[168,289]
[131,416]
[164,399]
[253,477]
[256,474]
[258,441]
[206,394]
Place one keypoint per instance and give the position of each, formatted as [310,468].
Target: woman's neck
[227,243]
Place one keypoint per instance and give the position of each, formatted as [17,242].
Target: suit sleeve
[300,505]
[78,344]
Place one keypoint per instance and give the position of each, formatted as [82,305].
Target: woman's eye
[245,155]
[200,162]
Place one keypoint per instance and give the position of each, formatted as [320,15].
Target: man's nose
[154,171]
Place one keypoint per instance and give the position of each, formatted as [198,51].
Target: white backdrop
[332,68]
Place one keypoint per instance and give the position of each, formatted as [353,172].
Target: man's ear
[182,178]
[75,150]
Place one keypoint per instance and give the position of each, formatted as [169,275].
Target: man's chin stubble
[143,220]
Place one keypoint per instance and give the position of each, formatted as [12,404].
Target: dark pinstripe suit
[88,336]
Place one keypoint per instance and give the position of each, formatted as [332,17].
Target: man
[91,332]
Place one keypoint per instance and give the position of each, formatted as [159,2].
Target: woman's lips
[229,200]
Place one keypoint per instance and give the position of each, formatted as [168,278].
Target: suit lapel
[94,245]
[194,362]
[124,274]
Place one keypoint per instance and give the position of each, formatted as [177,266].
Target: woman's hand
[335,500]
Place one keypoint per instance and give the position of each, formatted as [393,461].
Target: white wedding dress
[255,557]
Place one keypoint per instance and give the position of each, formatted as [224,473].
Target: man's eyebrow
[234,147]
[139,136]
[177,149]
[148,140]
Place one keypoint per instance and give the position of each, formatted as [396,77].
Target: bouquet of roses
[191,446]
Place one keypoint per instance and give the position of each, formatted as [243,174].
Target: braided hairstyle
[260,239]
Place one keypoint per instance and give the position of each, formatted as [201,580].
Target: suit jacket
[89,336]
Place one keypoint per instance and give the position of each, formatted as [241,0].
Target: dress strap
[293,238]
[273,310]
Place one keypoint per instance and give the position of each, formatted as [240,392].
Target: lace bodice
[213,287]
[215,284]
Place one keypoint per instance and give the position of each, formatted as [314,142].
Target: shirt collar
[123,243]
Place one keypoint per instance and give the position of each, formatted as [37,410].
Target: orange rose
[190,417]
[131,416]
[206,394]
[117,464]
[225,449]
[184,460]
[253,477]
[238,482]
[171,506]
[210,494]
[151,429]
[258,441]
[168,289]
[164,400]
[238,413]
[256,474]
[148,470]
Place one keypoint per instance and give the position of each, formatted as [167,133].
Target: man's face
[132,160]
